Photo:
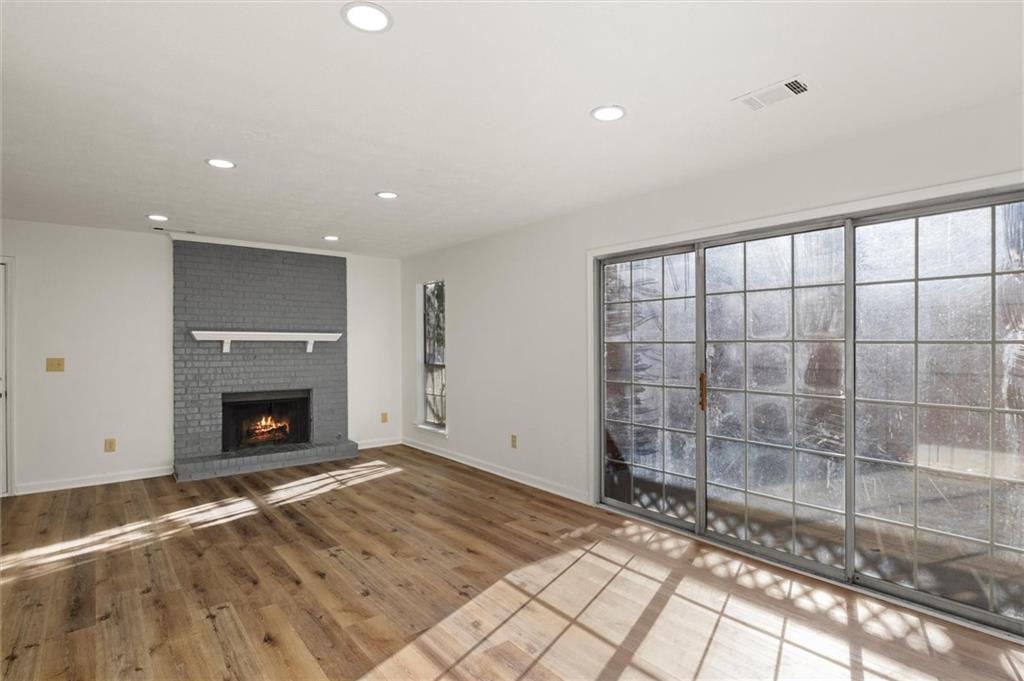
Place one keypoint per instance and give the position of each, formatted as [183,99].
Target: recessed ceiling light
[221,163]
[609,113]
[387,195]
[158,218]
[366,16]
[330,237]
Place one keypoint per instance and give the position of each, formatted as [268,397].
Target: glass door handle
[703,391]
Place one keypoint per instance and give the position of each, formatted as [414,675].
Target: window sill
[433,429]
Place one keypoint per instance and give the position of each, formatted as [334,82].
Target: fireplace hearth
[255,419]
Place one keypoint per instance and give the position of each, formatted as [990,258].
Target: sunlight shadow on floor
[644,603]
[39,561]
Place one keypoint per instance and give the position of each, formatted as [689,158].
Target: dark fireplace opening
[264,418]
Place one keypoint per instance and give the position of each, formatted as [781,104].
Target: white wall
[374,350]
[103,300]
[519,304]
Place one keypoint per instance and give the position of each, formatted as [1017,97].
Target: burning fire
[267,429]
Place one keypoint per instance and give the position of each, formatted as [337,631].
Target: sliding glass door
[846,397]
[940,405]
[776,422]
[650,380]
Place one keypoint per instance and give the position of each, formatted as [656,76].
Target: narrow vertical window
[435,385]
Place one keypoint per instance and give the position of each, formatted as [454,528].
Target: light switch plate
[55,364]
[515,441]
[110,444]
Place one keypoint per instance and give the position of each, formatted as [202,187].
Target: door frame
[7,485]
[847,576]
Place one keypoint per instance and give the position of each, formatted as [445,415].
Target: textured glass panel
[885,252]
[680,275]
[435,381]
[725,414]
[681,453]
[647,447]
[723,266]
[725,365]
[770,522]
[647,405]
[885,491]
[680,364]
[647,321]
[821,480]
[617,401]
[885,431]
[681,498]
[819,368]
[769,263]
[769,315]
[618,483]
[618,441]
[771,419]
[617,362]
[1008,445]
[647,362]
[433,324]
[616,322]
[436,407]
[1008,513]
[770,471]
[680,319]
[1010,376]
[953,568]
[648,490]
[819,313]
[951,503]
[885,372]
[955,309]
[681,408]
[1010,237]
[819,257]
[820,536]
[885,312]
[820,424]
[726,511]
[647,279]
[725,462]
[1010,307]
[769,367]
[725,317]
[885,551]
[955,374]
[616,283]
[955,243]
[1008,583]
[953,439]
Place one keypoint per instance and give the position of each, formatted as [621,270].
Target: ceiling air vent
[773,94]
[174,231]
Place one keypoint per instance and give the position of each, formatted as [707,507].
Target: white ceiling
[476,113]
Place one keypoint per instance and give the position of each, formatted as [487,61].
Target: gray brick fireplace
[232,288]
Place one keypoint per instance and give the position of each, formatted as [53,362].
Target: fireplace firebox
[255,419]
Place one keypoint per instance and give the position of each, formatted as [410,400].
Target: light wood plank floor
[402,565]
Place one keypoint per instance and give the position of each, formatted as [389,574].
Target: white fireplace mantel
[225,337]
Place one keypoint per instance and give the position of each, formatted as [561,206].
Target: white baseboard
[379,442]
[89,480]
[502,471]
